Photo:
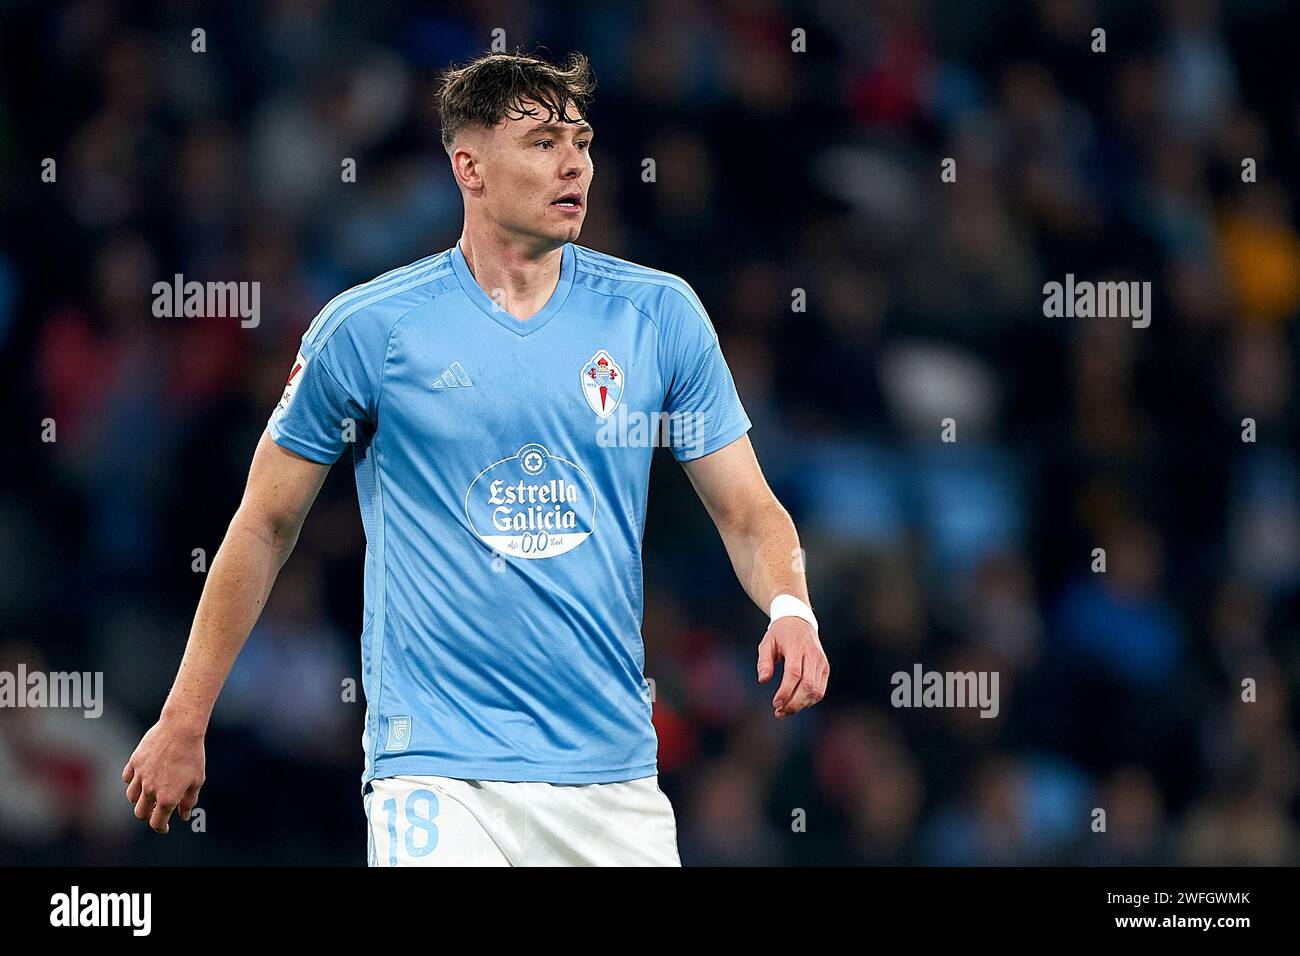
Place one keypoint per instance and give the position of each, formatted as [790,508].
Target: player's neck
[520,280]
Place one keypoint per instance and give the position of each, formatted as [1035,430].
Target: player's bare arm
[165,773]
[763,545]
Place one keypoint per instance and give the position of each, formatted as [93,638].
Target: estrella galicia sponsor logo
[602,383]
[531,505]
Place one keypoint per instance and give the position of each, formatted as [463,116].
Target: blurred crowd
[777,171]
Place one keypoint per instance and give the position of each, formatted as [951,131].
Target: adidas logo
[454,377]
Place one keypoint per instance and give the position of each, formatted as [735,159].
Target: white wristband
[787,605]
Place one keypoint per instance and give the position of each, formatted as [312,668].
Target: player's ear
[465,167]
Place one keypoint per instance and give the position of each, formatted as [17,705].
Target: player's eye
[543,142]
[583,144]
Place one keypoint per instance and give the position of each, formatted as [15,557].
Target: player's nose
[574,162]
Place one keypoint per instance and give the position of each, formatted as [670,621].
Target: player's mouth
[569,202]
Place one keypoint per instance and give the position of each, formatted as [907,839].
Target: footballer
[508,720]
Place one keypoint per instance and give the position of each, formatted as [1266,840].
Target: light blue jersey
[502,468]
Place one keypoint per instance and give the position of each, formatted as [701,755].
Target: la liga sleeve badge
[291,383]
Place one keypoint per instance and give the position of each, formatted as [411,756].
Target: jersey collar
[568,265]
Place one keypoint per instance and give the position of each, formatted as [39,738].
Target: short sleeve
[329,394]
[703,408]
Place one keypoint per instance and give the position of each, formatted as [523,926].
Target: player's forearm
[239,582]
[764,549]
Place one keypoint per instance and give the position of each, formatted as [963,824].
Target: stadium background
[776,171]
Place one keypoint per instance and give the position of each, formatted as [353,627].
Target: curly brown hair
[485,91]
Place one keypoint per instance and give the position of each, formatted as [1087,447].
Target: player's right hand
[165,774]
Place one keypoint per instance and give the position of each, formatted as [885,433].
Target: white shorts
[442,821]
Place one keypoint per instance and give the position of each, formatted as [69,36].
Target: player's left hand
[793,640]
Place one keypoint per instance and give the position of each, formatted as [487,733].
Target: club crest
[602,383]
